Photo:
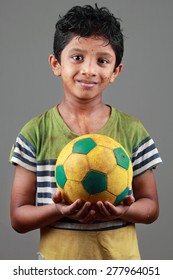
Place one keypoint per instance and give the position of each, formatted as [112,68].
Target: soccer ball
[93,167]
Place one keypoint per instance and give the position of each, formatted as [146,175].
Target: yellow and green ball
[94,167]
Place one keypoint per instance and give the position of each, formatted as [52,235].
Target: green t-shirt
[37,147]
[41,140]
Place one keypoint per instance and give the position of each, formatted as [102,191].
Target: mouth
[86,83]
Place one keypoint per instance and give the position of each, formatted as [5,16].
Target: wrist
[57,211]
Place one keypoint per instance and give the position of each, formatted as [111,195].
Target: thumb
[128,200]
[57,197]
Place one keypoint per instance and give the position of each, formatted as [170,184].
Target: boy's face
[86,68]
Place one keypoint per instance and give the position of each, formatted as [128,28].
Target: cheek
[66,72]
[106,79]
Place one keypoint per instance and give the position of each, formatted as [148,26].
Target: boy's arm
[145,209]
[25,216]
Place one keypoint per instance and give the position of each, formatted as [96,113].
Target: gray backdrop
[28,87]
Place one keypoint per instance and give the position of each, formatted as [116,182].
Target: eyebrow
[85,51]
[104,54]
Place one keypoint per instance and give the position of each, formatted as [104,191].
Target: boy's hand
[78,210]
[85,212]
[107,211]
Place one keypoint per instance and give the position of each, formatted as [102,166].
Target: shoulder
[39,119]
[37,126]
[130,127]
[137,141]
[125,118]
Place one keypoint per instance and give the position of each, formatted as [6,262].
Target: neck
[84,118]
[81,107]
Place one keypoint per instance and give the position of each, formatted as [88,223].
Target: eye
[77,57]
[103,61]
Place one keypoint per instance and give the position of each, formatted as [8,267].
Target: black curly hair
[87,21]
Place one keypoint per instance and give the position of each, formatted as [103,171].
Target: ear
[55,65]
[116,73]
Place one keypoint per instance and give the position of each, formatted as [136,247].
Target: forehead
[91,44]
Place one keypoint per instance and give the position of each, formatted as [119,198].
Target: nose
[88,68]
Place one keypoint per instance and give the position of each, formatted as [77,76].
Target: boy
[88,49]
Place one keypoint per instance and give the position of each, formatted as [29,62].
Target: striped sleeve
[46,184]
[145,156]
[23,153]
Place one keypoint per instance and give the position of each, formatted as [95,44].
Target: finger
[83,212]
[128,200]
[57,197]
[68,210]
[75,206]
[90,218]
[102,209]
[116,211]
